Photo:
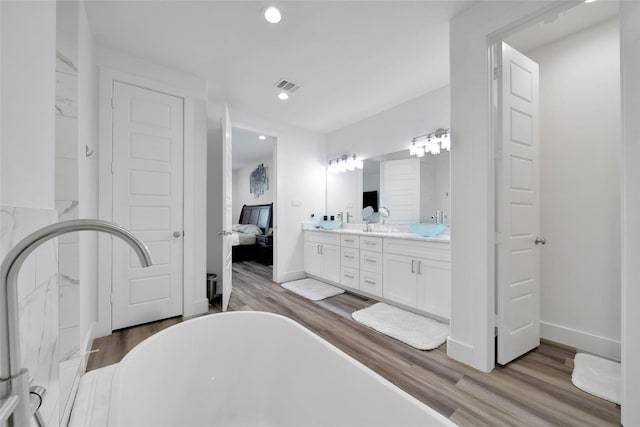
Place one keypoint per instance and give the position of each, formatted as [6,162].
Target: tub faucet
[18,402]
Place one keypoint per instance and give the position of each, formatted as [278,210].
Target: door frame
[105,190]
[473,182]
[274,174]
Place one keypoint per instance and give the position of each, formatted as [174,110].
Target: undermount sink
[330,225]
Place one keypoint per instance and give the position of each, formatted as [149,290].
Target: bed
[252,237]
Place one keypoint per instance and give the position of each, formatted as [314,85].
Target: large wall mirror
[413,188]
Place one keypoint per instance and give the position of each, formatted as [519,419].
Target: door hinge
[111,298]
[497,73]
[111,168]
[111,102]
[498,322]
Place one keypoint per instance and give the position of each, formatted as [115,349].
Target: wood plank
[534,390]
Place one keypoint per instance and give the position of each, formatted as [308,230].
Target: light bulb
[283,96]
[272,14]
[262,137]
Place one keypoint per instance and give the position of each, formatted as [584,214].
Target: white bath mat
[417,331]
[597,376]
[312,289]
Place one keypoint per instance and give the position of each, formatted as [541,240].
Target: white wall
[580,194]
[386,132]
[393,129]
[630,40]
[28,91]
[27,172]
[241,195]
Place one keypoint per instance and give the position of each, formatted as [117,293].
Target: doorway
[253,185]
[579,174]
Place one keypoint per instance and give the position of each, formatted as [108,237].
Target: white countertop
[388,231]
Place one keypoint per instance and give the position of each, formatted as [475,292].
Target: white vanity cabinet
[322,255]
[418,274]
[411,272]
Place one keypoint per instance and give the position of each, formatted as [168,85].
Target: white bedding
[239,239]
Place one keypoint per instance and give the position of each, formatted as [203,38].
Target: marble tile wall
[67,191]
[38,301]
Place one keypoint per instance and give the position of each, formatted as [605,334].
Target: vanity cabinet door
[312,258]
[399,279]
[331,262]
[434,287]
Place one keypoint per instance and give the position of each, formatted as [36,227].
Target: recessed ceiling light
[272,14]
[589,1]
[283,96]
[262,137]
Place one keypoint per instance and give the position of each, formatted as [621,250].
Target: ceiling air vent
[287,86]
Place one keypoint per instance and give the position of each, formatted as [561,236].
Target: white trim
[630,87]
[601,346]
[105,189]
[472,32]
[290,276]
[460,351]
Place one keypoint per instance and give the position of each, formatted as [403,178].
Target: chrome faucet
[17,400]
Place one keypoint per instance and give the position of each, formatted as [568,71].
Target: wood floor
[534,390]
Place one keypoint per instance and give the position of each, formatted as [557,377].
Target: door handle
[419,267]
[540,241]
[177,234]
[413,266]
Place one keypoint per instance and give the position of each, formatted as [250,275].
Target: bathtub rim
[347,358]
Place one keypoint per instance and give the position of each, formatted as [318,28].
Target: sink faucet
[16,403]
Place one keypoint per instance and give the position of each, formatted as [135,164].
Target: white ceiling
[353,59]
[568,22]
[248,148]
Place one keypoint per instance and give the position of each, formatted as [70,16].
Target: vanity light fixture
[345,163]
[432,142]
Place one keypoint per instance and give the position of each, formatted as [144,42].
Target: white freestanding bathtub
[254,369]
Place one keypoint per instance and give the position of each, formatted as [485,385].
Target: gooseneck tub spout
[14,383]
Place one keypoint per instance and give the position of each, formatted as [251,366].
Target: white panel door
[147,199]
[312,258]
[518,278]
[227,193]
[400,189]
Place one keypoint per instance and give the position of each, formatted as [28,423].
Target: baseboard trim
[199,306]
[460,351]
[291,275]
[600,346]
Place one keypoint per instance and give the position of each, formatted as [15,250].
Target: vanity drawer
[349,241]
[350,277]
[322,237]
[413,248]
[371,261]
[371,243]
[349,257]
[371,283]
